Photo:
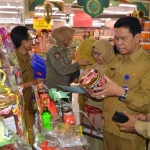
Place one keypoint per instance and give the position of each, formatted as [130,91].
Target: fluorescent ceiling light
[58,14]
[7,6]
[96,21]
[102,24]
[7,12]
[42,7]
[108,11]
[108,19]
[8,18]
[39,14]
[114,12]
[58,20]
[128,5]
[20,7]
[120,12]
[71,15]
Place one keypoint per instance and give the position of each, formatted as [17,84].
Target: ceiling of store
[13,9]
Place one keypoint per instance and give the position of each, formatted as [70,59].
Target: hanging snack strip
[11,102]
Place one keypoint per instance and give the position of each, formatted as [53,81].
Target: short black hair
[18,34]
[44,30]
[129,22]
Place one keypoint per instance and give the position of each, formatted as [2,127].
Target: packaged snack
[90,79]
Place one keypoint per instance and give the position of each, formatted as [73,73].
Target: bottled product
[45,99]
[46,119]
[43,96]
[42,91]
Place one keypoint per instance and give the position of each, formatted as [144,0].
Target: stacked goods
[38,66]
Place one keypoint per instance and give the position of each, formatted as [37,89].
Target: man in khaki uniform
[23,41]
[127,85]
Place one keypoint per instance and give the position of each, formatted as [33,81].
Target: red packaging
[90,79]
[68,116]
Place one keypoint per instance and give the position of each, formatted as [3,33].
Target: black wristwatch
[123,97]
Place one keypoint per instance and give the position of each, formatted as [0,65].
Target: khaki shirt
[143,128]
[59,66]
[137,67]
[27,75]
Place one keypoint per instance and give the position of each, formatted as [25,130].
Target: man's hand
[142,117]
[108,89]
[129,126]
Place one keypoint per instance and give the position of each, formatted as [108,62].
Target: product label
[68,113]
[10,123]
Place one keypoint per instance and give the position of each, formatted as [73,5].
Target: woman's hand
[76,80]
[83,62]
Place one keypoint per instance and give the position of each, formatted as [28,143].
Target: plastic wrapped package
[8,139]
[11,101]
[38,66]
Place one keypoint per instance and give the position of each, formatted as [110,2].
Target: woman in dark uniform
[58,61]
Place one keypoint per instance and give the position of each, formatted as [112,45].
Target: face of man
[28,43]
[125,42]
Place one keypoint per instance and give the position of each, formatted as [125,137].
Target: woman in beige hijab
[84,51]
[102,53]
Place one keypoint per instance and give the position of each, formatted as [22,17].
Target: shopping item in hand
[90,79]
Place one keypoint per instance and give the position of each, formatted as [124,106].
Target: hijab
[105,48]
[84,51]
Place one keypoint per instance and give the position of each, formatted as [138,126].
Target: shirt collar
[25,57]
[134,56]
[60,46]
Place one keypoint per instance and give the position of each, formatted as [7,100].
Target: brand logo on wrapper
[93,75]
[91,79]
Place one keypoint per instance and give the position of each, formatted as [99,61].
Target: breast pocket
[111,73]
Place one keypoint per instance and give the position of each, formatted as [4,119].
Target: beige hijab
[84,51]
[107,52]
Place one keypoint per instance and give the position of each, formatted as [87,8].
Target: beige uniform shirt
[137,68]
[143,128]
[27,75]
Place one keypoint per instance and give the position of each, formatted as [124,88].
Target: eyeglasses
[95,53]
[32,39]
